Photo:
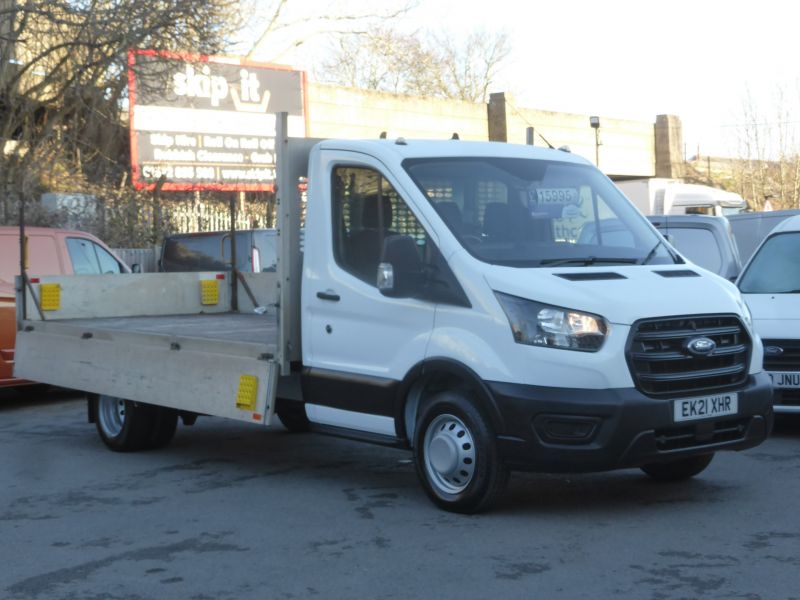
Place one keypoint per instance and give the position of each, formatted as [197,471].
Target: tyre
[676,470]
[165,422]
[456,455]
[124,425]
[292,415]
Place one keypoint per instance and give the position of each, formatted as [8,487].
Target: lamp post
[595,123]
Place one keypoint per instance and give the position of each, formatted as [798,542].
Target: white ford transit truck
[447,300]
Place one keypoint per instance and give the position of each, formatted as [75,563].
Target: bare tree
[472,65]
[768,167]
[280,25]
[384,60]
[63,86]
[419,63]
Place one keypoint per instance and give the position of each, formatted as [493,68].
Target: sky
[703,60]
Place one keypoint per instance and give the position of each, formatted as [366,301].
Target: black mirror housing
[400,271]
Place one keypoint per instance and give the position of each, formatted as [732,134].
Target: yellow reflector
[209,291]
[50,296]
[248,392]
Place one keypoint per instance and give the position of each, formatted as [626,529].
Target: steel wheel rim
[449,451]
[111,414]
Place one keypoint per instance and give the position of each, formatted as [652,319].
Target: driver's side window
[366,211]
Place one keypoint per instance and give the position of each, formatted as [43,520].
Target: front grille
[678,438]
[787,360]
[662,366]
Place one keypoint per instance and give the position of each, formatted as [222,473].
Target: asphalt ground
[234,511]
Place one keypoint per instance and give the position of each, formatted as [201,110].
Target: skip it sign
[246,96]
[208,122]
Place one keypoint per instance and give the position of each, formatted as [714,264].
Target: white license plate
[706,407]
[785,380]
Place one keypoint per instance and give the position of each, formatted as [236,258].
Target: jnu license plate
[705,407]
[785,380]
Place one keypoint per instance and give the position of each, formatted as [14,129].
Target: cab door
[357,343]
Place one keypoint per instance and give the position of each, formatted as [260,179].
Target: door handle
[328,296]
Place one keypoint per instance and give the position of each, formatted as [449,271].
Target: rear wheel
[676,470]
[456,455]
[123,425]
[165,422]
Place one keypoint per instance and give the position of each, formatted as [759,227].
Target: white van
[770,284]
[462,300]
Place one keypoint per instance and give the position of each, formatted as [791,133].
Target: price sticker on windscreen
[557,196]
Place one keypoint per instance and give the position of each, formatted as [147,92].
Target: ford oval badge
[701,346]
[773,350]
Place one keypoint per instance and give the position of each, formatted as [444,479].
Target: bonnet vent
[678,273]
[589,276]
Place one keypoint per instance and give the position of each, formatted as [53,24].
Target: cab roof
[400,149]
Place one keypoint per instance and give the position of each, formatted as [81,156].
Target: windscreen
[530,213]
[775,268]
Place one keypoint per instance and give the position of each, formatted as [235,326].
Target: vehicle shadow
[239,454]
[26,396]
[786,426]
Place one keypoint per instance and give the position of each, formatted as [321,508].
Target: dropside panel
[222,378]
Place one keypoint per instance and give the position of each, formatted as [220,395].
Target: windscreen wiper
[587,261]
[675,258]
[652,253]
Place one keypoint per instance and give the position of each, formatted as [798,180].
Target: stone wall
[353,114]
[627,148]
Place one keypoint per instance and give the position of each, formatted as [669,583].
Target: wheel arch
[433,375]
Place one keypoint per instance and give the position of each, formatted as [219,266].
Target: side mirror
[400,270]
[136,268]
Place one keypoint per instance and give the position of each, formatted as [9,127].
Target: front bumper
[580,430]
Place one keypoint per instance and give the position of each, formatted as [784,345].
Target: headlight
[539,324]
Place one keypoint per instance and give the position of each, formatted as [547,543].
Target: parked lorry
[660,196]
[442,304]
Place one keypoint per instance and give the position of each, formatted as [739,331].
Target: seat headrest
[450,213]
[496,219]
[369,212]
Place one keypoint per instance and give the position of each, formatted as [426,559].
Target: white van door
[357,343]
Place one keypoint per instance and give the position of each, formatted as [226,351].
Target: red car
[50,252]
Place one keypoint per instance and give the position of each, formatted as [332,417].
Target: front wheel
[456,455]
[676,470]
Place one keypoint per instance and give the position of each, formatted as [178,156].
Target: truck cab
[464,274]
